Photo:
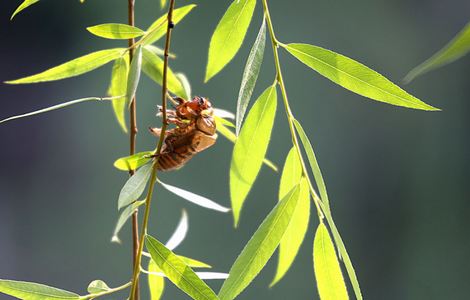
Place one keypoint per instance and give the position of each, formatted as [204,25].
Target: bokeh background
[397,178]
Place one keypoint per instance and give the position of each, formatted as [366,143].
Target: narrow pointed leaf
[250,148]
[133,162]
[135,186]
[295,233]
[74,67]
[194,198]
[222,113]
[180,233]
[260,248]
[455,49]
[193,263]
[117,87]
[116,31]
[177,271]
[156,283]
[125,215]
[201,275]
[23,5]
[34,291]
[250,75]
[354,76]
[97,286]
[152,65]
[158,28]
[134,75]
[229,35]
[330,282]
[162,3]
[185,84]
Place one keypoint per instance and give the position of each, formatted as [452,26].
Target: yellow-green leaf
[133,162]
[156,283]
[123,217]
[354,76]
[455,49]
[250,148]
[74,67]
[193,263]
[97,286]
[229,35]
[134,75]
[177,271]
[23,5]
[185,85]
[34,291]
[116,31]
[330,282]
[260,248]
[117,87]
[134,186]
[163,3]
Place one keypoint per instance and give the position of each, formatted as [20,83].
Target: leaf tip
[115,239]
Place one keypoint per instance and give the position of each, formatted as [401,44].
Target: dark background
[397,178]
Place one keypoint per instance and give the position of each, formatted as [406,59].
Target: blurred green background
[397,178]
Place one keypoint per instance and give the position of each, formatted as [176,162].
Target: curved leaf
[97,286]
[116,31]
[193,263]
[180,233]
[23,5]
[250,75]
[455,49]
[135,186]
[117,87]
[354,76]
[125,215]
[133,162]
[260,248]
[177,271]
[34,291]
[134,75]
[156,283]
[330,280]
[250,148]
[229,35]
[74,67]
[185,84]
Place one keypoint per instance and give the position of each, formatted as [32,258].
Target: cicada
[195,131]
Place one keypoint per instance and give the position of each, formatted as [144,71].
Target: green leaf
[135,186]
[74,67]
[250,75]
[250,148]
[177,271]
[261,247]
[97,286]
[193,263]
[163,3]
[354,76]
[295,233]
[455,49]
[158,28]
[185,84]
[229,35]
[116,31]
[330,280]
[125,215]
[34,291]
[117,87]
[156,283]
[134,75]
[133,162]
[152,65]
[23,5]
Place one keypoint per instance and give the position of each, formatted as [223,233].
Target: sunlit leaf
[158,28]
[117,87]
[177,271]
[34,291]
[260,248]
[133,162]
[152,65]
[163,3]
[250,148]
[23,5]
[180,233]
[455,49]
[116,31]
[193,263]
[97,286]
[74,67]
[194,198]
[185,84]
[354,76]
[134,75]
[135,186]
[156,283]
[228,35]
[250,75]
[222,113]
[224,122]
[330,282]
[125,215]
[295,233]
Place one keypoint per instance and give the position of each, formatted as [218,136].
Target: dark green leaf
[22,6]
[228,36]
[134,75]
[250,75]
[74,67]
[261,247]
[116,31]
[354,76]
[177,271]
[250,148]
[117,87]
[125,215]
[97,286]
[34,291]
[134,186]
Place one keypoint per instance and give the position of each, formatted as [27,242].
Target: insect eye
[201,101]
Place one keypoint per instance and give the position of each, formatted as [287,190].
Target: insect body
[195,131]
